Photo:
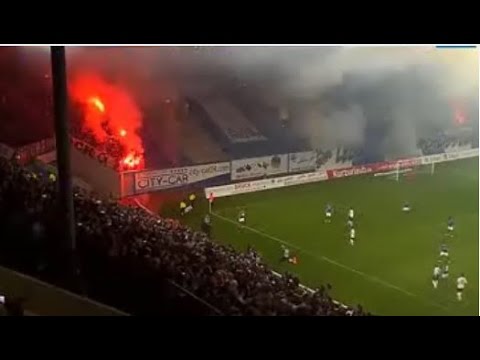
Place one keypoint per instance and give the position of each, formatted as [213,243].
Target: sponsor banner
[260,166]
[220,191]
[146,181]
[351,171]
[461,154]
[471,153]
[433,158]
[252,186]
[265,184]
[453,156]
[373,168]
[302,161]
[392,165]
[306,178]
[6,151]
[99,155]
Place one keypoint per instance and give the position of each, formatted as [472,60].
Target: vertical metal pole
[65,198]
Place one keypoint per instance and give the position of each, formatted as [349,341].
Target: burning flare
[95,101]
[110,113]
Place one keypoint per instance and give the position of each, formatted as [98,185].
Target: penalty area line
[333,262]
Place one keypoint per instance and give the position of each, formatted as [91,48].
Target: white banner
[265,184]
[170,178]
[302,161]
[305,178]
[260,166]
[6,151]
[433,158]
[315,176]
[463,154]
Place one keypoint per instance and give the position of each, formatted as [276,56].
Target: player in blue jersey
[351,214]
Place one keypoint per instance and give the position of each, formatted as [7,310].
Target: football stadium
[375,271]
[239,181]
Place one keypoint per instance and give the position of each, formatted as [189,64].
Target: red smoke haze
[104,102]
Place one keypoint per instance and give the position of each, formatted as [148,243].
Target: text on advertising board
[162,181]
[168,178]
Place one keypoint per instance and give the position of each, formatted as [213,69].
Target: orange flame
[110,110]
[132,161]
[95,101]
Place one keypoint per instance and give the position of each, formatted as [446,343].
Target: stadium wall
[215,174]
[102,178]
[196,177]
[99,170]
[330,174]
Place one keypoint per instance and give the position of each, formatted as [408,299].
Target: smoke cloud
[333,95]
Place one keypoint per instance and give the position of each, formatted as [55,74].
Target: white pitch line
[333,262]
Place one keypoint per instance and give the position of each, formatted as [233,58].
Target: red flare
[110,111]
[97,103]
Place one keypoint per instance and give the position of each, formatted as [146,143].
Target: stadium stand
[36,298]
[197,144]
[137,262]
[446,142]
[267,120]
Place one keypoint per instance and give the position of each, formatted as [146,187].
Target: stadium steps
[198,145]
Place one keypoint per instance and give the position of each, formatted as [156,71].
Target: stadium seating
[136,262]
[442,143]
[197,144]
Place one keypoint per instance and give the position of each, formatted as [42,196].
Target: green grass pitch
[388,271]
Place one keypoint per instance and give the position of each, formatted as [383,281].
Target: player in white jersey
[286,253]
[242,217]
[437,272]
[328,213]
[461,283]
[406,207]
[352,236]
[351,214]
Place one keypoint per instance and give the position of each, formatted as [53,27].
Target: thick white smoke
[411,90]
[331,93]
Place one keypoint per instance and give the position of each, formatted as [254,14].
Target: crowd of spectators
[122,251]
[441,141]
[110,146]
